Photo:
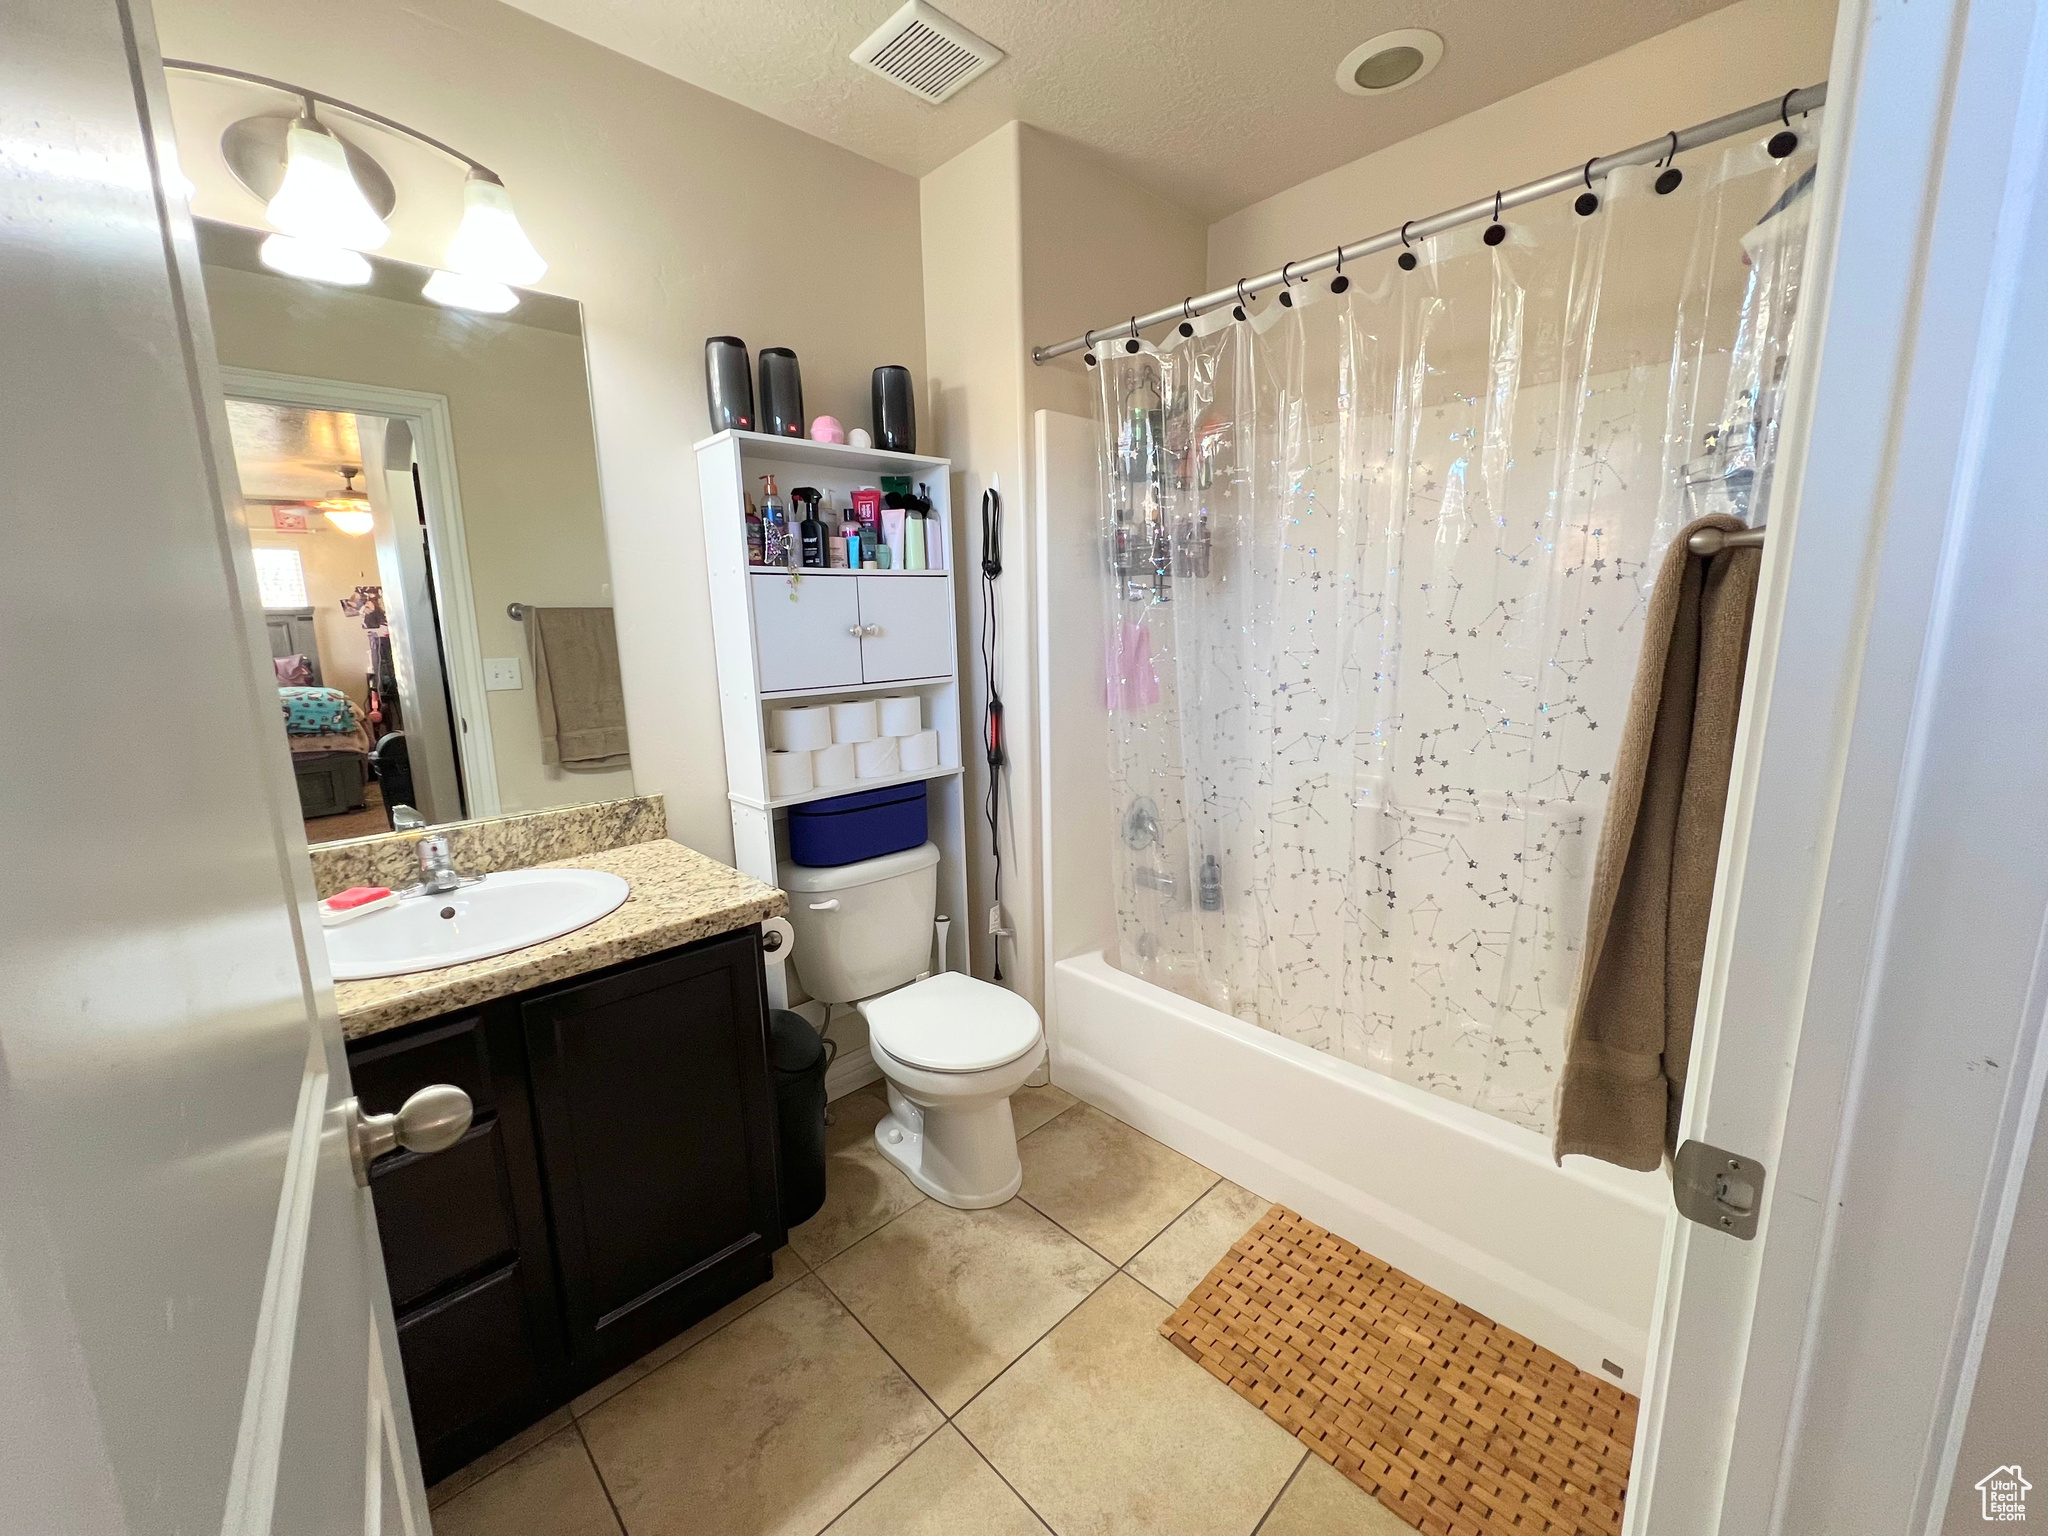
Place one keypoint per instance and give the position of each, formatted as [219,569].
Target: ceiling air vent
[930,55]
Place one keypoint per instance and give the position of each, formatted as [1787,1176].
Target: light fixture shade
[319,199]
[357,523]
[489,242]
[310,259]
[458,290]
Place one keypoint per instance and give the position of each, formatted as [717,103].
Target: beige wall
[1023,234]
[335,565]
[525,464]
[672,214]
[1725,60]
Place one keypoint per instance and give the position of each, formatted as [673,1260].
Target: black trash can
[799,1056]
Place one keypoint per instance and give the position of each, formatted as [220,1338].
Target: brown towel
[575,656]
[1653,882]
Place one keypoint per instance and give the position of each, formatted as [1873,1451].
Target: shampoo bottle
[850,538]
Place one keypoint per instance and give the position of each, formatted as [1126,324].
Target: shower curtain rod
[1777,109]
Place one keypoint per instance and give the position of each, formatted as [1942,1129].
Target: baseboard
[853,1069]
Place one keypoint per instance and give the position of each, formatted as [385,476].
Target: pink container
[826,429]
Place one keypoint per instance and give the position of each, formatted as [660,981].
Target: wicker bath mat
[1458,1425]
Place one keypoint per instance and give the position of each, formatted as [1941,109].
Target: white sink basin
[505,912]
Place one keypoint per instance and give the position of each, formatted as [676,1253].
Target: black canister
[728,384]
[895,414]
[782,393]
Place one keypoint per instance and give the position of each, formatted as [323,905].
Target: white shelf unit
[813,636]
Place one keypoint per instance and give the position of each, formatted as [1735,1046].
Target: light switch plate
[501,673]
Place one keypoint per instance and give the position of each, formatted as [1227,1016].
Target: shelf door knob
[432,1120]
[856,631]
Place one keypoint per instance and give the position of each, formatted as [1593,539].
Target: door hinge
[1718,1189]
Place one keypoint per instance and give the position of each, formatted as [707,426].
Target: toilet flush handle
[826,906]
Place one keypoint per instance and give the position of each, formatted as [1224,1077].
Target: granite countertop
[679,896]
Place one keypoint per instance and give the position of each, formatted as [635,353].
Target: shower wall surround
[1375,563]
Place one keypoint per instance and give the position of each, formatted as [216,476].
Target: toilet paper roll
[878,759]
[920,752]
[777,940]
[902,714]
[800,730]
[833,765]
[855,722]
[789,773]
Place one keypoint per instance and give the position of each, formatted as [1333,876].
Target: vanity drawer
[458,1051]
[445,1216]
[472,1370]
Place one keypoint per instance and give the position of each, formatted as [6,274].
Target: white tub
[1460,1200]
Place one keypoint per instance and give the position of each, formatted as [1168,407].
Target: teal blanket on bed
[317,711]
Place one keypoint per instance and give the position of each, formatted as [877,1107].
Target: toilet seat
[952,1023]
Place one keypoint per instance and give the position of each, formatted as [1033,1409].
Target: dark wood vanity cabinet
[617,1184]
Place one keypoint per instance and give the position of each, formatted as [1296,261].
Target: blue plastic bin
[849,828]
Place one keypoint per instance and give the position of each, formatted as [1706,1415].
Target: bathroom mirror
[419,484]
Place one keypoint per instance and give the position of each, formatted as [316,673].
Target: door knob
[432,1120]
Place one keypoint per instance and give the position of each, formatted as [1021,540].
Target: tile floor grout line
[999,1375]
[1281,1494]
[591,1456]
[938,1429]
[922,1199]
[840,1302]
[984,1460]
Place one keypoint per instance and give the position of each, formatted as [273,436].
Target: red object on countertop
[355,896]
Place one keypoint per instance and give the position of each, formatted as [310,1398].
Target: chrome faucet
[438,874]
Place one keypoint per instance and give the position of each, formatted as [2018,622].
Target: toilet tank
[865,927]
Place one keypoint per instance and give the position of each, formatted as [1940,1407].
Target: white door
[806,632]
[906,627]
[194,1330]
[1870,1025]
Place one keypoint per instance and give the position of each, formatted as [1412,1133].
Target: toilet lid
[952,1023]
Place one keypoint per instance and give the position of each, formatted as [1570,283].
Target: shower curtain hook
[1587,203]
[1187,316]
[1244,305]
[1340,282]
[1784,115]
[1671,154]
[1406,260]
[1669,178]
[1496,231]
[1286,298]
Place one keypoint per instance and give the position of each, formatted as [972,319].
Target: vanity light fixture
[489,242]
[349,509]
[319,201]
[329,199]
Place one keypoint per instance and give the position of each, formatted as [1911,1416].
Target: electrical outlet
[501,673]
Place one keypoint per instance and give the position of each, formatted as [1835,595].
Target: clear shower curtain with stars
[1375,563]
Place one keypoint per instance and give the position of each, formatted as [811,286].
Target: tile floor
[916,1369]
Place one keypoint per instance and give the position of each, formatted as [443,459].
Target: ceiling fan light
[459,290]
[312,260]
[350,522]
[489,243]
[319,199]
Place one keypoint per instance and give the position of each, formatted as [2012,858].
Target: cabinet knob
[871,629]
[432,1120]
[856,630]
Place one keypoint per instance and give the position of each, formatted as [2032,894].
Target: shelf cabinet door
[907,627]
[656,1115]
[806,633]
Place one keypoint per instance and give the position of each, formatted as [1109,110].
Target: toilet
[953,1049]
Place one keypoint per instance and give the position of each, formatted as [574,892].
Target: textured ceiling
[282,451]
[1211,103]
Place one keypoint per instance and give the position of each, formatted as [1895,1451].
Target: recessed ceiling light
[1389,62]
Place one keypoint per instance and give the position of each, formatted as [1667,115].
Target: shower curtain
[1375,560]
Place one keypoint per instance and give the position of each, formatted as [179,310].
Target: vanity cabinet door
[806,632]
[657,1144]
[907,627]
[464,1234]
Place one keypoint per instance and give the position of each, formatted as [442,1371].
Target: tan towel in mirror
[575,655]
[1653,880]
